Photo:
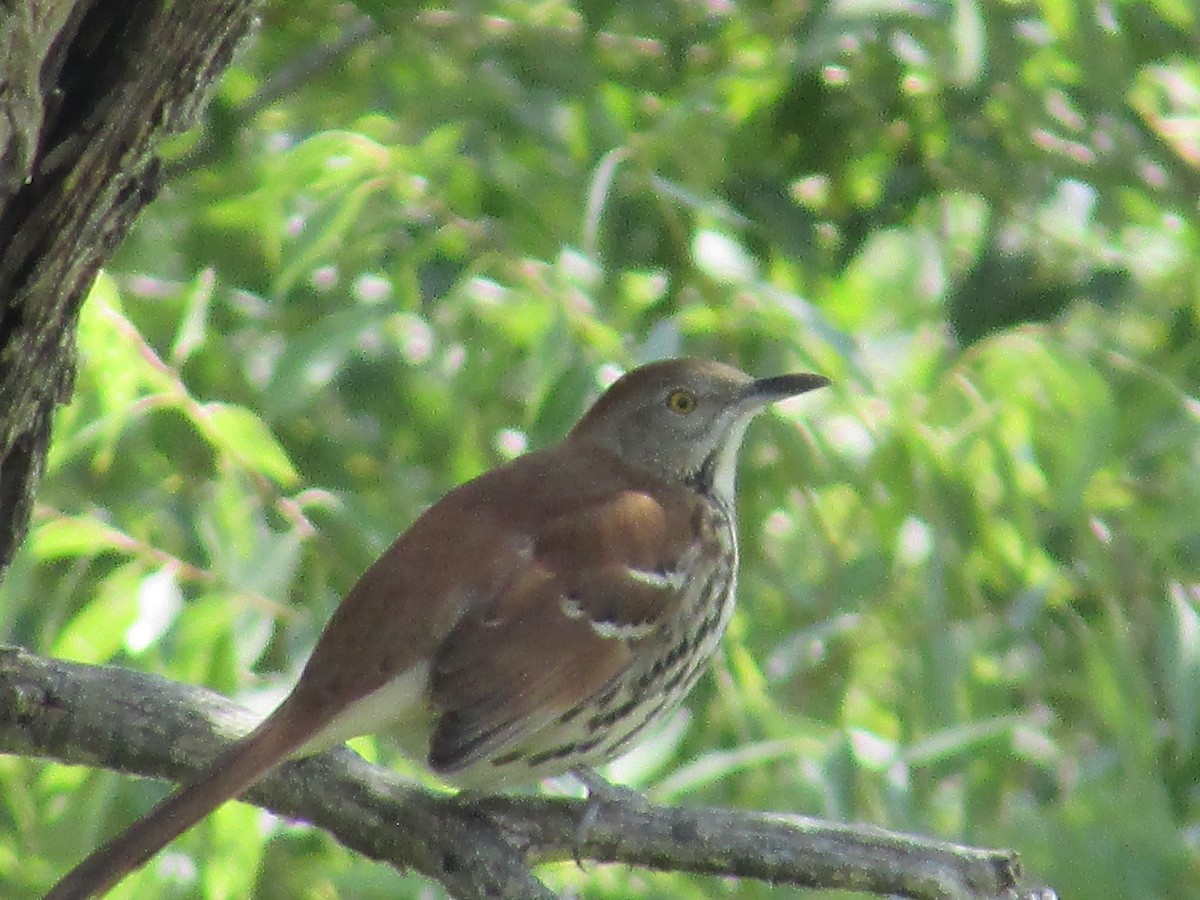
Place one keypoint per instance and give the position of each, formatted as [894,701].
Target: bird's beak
[767,390]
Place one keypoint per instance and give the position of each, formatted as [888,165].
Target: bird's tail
[229,774]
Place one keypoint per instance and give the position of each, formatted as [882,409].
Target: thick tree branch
[475,846]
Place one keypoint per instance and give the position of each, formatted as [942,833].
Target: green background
[970,602]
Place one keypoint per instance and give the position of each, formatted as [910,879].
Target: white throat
[725,474]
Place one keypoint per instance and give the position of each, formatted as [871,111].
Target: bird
[534,621]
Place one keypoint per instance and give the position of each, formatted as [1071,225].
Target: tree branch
[474,846]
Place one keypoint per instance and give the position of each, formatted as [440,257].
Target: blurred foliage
[394,256]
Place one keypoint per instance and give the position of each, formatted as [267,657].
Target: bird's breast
[666,664]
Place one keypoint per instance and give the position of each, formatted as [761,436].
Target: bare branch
[474,846]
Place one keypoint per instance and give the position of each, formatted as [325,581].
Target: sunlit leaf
[240,432]
[76,536]
[159,601]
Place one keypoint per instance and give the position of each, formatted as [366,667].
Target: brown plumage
[534,621]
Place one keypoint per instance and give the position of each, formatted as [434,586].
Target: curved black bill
[779,387]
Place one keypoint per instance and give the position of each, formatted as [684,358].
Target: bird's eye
[681,402]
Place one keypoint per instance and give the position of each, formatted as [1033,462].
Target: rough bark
[88,90]
[474,846]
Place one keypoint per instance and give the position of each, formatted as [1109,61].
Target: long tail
[229,774]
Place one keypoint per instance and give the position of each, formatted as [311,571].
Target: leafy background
[395,254]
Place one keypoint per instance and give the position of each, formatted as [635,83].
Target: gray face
[681,417]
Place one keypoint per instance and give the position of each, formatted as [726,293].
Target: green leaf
[239,432]
[77,536]
[97,632]
[192,331]
[1181,678]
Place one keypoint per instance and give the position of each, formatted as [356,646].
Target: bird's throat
[715,479]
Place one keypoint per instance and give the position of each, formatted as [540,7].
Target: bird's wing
[598,580]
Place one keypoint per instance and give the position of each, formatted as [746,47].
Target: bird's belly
[667,666]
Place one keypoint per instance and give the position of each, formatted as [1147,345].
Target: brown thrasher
[533,621]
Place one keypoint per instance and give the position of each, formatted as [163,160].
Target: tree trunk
[88,90]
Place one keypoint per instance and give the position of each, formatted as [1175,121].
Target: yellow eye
[682,402]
